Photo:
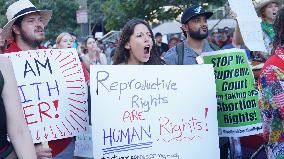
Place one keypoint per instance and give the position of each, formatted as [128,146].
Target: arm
[265,125]
[237,33]
[238,36]
[270,91]
[18,131]
[2,42]
[171,56]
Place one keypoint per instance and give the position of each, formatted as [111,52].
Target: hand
[2,40]
[98,51]
[43,152]
[95,52]
[233,15]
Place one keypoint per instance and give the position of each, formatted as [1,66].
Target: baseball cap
[194,11]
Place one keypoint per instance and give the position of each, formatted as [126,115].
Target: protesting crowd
[138,45]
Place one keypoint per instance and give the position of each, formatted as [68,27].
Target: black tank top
[3,120]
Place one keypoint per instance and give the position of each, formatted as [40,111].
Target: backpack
[180,51]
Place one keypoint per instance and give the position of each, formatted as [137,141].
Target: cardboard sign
[249,24]
[141,111]
[53,92]
[238,113]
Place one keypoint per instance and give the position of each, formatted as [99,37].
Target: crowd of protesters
[138,45]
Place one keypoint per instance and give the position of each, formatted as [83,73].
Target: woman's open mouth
[147,49]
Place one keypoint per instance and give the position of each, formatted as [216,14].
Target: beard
[197,35]
[31,41]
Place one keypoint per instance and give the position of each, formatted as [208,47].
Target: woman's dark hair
[122,54]
[84,44]
[278,27]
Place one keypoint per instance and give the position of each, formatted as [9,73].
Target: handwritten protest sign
[249,24]
[53,92]
[84,144]
[141,111]
[238,113]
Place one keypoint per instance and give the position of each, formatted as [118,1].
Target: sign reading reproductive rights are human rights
[143,111]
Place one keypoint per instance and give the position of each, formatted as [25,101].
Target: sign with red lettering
[53,92]
[142,111]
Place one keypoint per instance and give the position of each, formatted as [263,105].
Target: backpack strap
[180,53]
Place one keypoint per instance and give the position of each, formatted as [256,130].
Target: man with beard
[26,27]
[195,29]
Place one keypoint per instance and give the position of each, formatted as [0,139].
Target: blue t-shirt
[171,57]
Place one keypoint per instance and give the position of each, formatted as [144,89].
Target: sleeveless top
[3,120]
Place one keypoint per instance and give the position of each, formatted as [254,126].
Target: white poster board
[53,92]
[84,144]
[141,111]
[249,24]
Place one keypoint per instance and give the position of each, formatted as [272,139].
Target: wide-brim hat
[194,11]
[263,3]
[21,8]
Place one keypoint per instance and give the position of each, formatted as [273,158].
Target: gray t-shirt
[171,57]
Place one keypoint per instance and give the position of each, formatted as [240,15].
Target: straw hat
[21,8]
[263,3]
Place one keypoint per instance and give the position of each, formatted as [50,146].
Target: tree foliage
[118,12]
[63,15]
[96,16]
[4,5]
[112,13]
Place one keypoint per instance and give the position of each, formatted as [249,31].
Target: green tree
[95,13]
[4,5]
[118,12]
[3,19]
[63,15]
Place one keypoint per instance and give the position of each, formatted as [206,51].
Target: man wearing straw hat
[26,27]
